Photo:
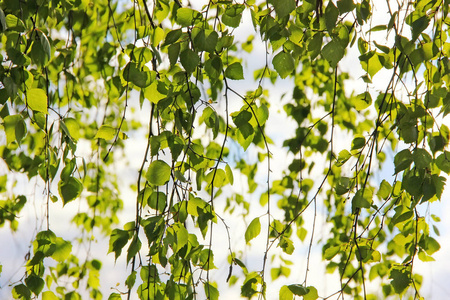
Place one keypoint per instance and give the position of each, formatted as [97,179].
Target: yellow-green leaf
[105,132]
[37,100]
[253,230]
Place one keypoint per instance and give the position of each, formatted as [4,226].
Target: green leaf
[15,128]
[187,16]
[213,67]
[422,159]
[105,132]
[37,100]
[385,190]
[362,199]
[174,52]
[155,92]
[49,295]
[242,123]
[298,289]
[401,278]
[62,250]
[343,185]
[133,249]
[134,74]
[115,296]
[18,57]
[312,293]
[211,291]
[232,15]
[343,156]
[403,160]
[158,173]
[370,62]
[362,101]
[69,189]
[285,293]
[253,230]
[73,128]
[220,178]
[14,23]
[21,292]
[234,71]
[331,15]
[118,239]
[331,252]
[431,245]
[283,7]
[358,142]
[229,174]
[333,52]
[189,60]
[35,284]
[284,64]
[172,36]
[131,280]
[345,6]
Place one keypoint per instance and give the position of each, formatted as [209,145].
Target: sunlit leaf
[158,172]
[283,64]
[37,100]
[234,71]
[69,189]
[253,230]
[105,132]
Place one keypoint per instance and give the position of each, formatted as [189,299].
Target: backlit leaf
[37,100]
[70,189]
[283,64]
[105,132]
[234,71]
[189,60]
[283,7]
[158,173]
[253,230]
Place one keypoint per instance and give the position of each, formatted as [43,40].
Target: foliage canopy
[83,81]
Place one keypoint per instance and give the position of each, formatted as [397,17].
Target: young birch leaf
[284,64]
[49,295]
[105,132]
[37,100]
[285,293]
[117,240]
[232,15]
[402,160]
[62,250]
[283,7]
[229,173]
[153,94]
[133,249]
[189,60]
[401,278]
[211,291]
[70,189]
[385,190]
[158,173]
[253,230]
[333,52]
[312,293]
[234,71]
[298,289]
[362,199]
[186,16]
[35,284]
